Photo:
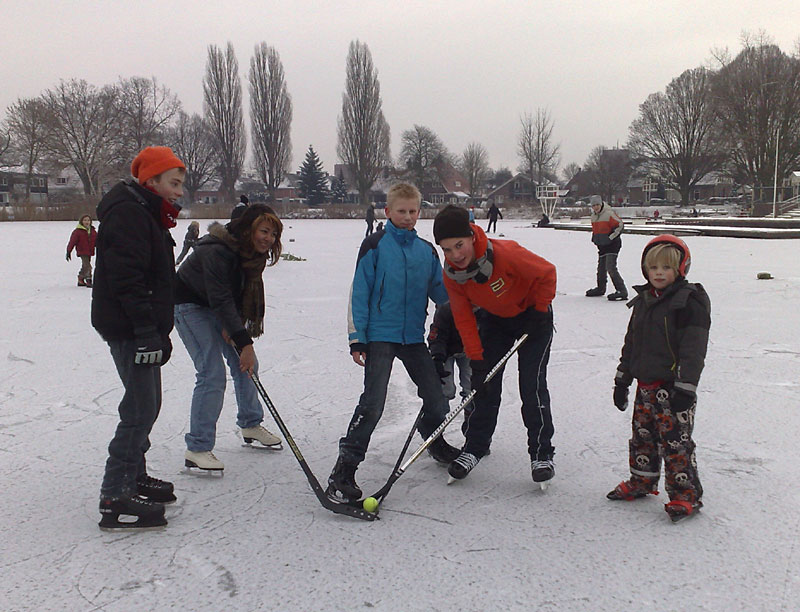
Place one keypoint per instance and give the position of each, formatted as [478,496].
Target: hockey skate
[542,471]
[617,296]
[203,462]
[342,487]
[155,490]
[149,515]
[595,292]
[263,436]
[442,452]
[628,491]
[679,510]
[461,466]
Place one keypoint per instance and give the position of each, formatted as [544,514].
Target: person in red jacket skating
[82,240]
[514,289]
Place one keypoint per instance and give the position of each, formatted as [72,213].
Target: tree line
[740,116]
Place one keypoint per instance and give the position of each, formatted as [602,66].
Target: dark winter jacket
[494,212]
[212,276]
[443,338]
[135,268]
[192,234]
[396,273]
[667,336]
[370,216]
[82,240]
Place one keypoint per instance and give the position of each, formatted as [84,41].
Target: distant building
[519,190]
[14,184]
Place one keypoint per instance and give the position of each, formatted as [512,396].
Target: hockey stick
[384,490]
[338,508]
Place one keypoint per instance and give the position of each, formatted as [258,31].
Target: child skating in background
[83,239]
[447,351]
[192,234]
[664,350]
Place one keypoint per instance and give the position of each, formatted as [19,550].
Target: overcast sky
[465,68]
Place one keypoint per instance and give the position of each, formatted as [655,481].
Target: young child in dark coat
[664,350]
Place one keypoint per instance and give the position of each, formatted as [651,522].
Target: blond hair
[663,254]
[403,191]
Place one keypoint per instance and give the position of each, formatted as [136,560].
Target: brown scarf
[252,264]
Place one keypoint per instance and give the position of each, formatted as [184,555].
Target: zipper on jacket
[669,345]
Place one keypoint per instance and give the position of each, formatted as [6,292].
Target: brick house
[519,190]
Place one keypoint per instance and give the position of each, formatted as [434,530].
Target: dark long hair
[242,230]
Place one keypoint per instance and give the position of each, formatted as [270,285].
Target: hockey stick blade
[384,490]
[337,507]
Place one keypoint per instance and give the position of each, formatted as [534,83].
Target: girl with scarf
[514,289]
[219,309]
[82,240]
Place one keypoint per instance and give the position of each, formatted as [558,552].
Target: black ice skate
[542,471]
[342,485]
[617,296]
[155,490]
[443,452]
[596,292]
[462,466]
[679,510]
[149,515]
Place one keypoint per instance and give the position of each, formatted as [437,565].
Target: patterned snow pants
[657,433]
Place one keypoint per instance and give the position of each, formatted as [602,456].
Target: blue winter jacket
[396,273]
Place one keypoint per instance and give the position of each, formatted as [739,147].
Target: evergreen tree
[313,180]
[339,190]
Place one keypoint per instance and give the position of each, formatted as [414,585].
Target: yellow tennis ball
[370,504]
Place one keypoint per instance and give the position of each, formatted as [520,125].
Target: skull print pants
[659,432]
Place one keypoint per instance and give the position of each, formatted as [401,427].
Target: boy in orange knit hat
[513,289]
[132,309]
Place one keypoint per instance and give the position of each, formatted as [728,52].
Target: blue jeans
[138,410]
[201,333]
[419,365]
[497,335]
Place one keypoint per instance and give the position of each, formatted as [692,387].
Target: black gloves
[440,369]
[479,369]
[150,349]
[69,256]
[536,322]
[680,401]
[621,397]
[358,347]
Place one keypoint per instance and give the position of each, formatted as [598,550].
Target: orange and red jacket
[520,279]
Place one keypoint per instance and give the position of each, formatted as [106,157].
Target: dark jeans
[489,226]
[419,365]
[138,411]
[607,265]
[497,336]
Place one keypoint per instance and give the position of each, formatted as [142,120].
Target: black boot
[442,452]
[617,296]
[155,490]
[596,292]
[149,515]
[342,485]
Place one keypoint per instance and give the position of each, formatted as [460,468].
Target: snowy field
[257,539]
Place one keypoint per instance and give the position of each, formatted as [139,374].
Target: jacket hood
[126,191]
[219,234]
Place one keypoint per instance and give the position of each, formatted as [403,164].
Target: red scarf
[169,213]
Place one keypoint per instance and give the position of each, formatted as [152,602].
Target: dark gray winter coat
[667,336]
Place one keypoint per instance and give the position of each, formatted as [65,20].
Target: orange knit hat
[152,161]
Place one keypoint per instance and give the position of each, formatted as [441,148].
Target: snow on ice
[257,539]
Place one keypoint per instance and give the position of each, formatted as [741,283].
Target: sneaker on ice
[462,465]
[155,490]
[443,452]
[342,485]
[542,470]
[261,434]
[205,460]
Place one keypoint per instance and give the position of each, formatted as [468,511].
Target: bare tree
[422,150]
[5,142]
[191,140]
[26,120]
[569,171]
[271,117]
[222,103]
[675,130]
[83,131]
[363,134]
[608,171]
[757,99]
[536,149]
[146,109]
[474,164]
